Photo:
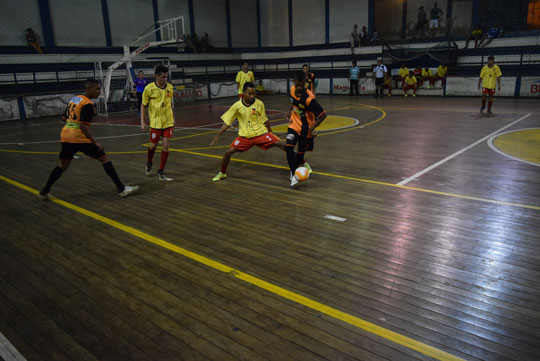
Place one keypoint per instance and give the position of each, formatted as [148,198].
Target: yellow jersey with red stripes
[310,82]
[251,118]
[159,103]
[410,80]
[489,76]
[242,78]
[80,109]
[306,110]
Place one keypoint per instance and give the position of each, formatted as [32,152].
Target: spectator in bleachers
[32,40]
[442,69]
[409,83]
[375,37]
[427,75]
[196,43]
[355,38]
[354,72]
[379,72]
[493,33]
[403,72]
[364,37]
[206,47]
[190,48]
[421,21]
[476,35]
[418,74]
[310,79]
[434,23]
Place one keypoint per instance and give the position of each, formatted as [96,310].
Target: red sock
[490,103]
[483,103]
[151,154]
[164,156]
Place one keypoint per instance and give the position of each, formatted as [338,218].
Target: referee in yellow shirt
[489,75]
[245,75]
[157,98]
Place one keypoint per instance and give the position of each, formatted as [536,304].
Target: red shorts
[155,134]
[265,141]
[488,91]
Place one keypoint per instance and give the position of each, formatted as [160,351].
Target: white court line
[8,352]
[433,166]
[58,141]
[492,146]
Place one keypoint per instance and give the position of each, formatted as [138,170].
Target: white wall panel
[77,23]
[343,15]
[129,20]
[308,22]
[168,9]
[243,23]
[210,17]
[274,22]
[15,18]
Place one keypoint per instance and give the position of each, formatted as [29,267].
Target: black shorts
[305,144]
[90,149]
[379,81]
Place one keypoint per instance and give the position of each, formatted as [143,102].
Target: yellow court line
[26,151]
[485,200]
[295,297]
[194,135]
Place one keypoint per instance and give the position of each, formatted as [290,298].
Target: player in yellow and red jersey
[490,76]
[157,98]
[310,78]
[304,115]
[244,76]
[253,128]
[77,137]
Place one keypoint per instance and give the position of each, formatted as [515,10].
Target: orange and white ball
[302,174]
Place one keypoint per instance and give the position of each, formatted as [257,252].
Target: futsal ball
[302,174]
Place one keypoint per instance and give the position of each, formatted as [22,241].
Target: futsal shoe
[45,196]
[482,110]
[294,181]
[489,111]
[128,190]
[161,176]
[219,177]
[414,95]
[406,95]
[308,167]
[148,169]
[389,94]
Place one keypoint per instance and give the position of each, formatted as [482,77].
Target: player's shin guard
[55,174]
[163,161]
[111,172]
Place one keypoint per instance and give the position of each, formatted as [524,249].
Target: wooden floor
[447,265]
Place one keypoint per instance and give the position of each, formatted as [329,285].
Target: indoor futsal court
[410,232]
[370,259]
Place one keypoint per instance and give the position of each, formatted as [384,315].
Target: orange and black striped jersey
[310,82]
[79,110]
[306,110]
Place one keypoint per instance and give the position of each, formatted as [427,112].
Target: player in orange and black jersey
[310,78]
[77,137]
[304,115]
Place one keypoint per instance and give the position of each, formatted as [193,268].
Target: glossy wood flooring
[349,266]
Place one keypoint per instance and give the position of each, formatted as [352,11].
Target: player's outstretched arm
[216,138]
[86,130]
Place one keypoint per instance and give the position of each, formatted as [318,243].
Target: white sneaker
[128,190]
[294,181]
[45,196]
[163,178]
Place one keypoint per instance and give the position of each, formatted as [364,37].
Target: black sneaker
[489,111]
[148,170]
[162,177]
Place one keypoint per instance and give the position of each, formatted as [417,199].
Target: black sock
[55,174]
[299,159]
[291,159]
[109,169]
